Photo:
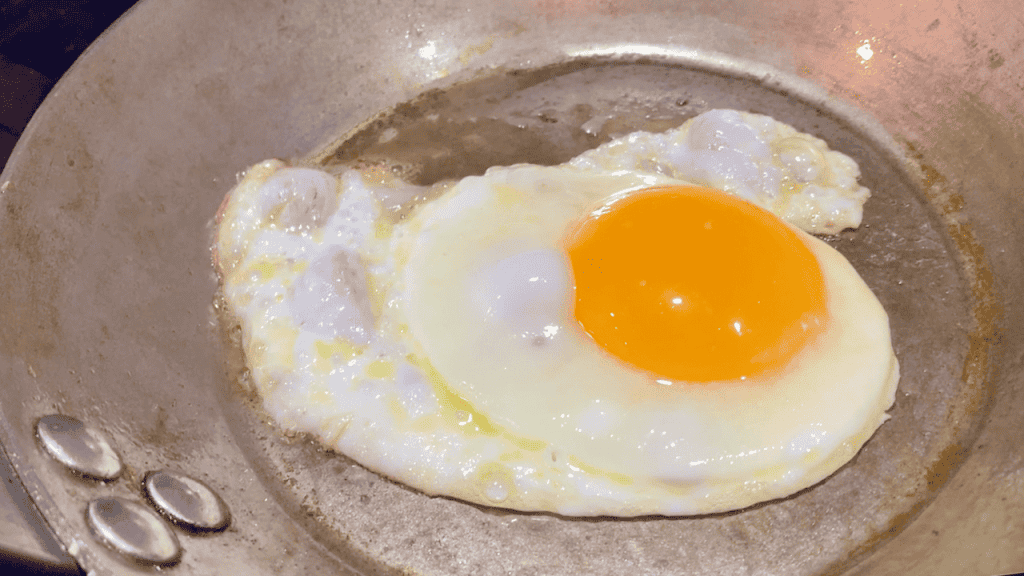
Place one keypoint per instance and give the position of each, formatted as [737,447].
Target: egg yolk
[692,284]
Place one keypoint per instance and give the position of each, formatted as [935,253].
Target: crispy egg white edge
[752,156]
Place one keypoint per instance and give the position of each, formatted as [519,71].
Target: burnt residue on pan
[925,266]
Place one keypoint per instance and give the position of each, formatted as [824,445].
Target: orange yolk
[691,284]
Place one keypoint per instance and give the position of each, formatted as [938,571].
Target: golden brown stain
[978,368]
[29,319]
[470,52]
[995,59]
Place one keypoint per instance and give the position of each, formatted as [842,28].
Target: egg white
[751,156]
[441,351]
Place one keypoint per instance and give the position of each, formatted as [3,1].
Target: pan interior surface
[108,315]
[547,115]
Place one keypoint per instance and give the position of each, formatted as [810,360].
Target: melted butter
[426,424]
[383,369]
[382,229]
[334,428]
[281,353]
[528,445]
[507,196]
[790,187]
[260,271]
[264,270]
[620,479]
[396,409]
[812,456]
[378,175]
[511,456]
[495,482]
[460,414]
[376,293]
[274,214]
[326,351]
[451,403]
[319,394]
[771,473]
[402,254]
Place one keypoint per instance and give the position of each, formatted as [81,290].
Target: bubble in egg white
[523,291]
[304,197]
[330,299]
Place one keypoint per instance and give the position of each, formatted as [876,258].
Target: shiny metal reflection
[81,448]
[134,530]
[186,501]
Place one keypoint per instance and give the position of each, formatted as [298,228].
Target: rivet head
[134,530]
[186,501]
[81,448]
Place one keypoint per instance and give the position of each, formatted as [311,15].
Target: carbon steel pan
[109,312]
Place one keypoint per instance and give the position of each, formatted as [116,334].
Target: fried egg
[646,329]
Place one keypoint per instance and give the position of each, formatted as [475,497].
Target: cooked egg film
[646,329]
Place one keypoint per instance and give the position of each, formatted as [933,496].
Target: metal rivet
[79,447]
[186,501]
[134,530]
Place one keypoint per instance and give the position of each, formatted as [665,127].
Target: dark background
[39,41]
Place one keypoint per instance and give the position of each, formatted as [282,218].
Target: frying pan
[109,309]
